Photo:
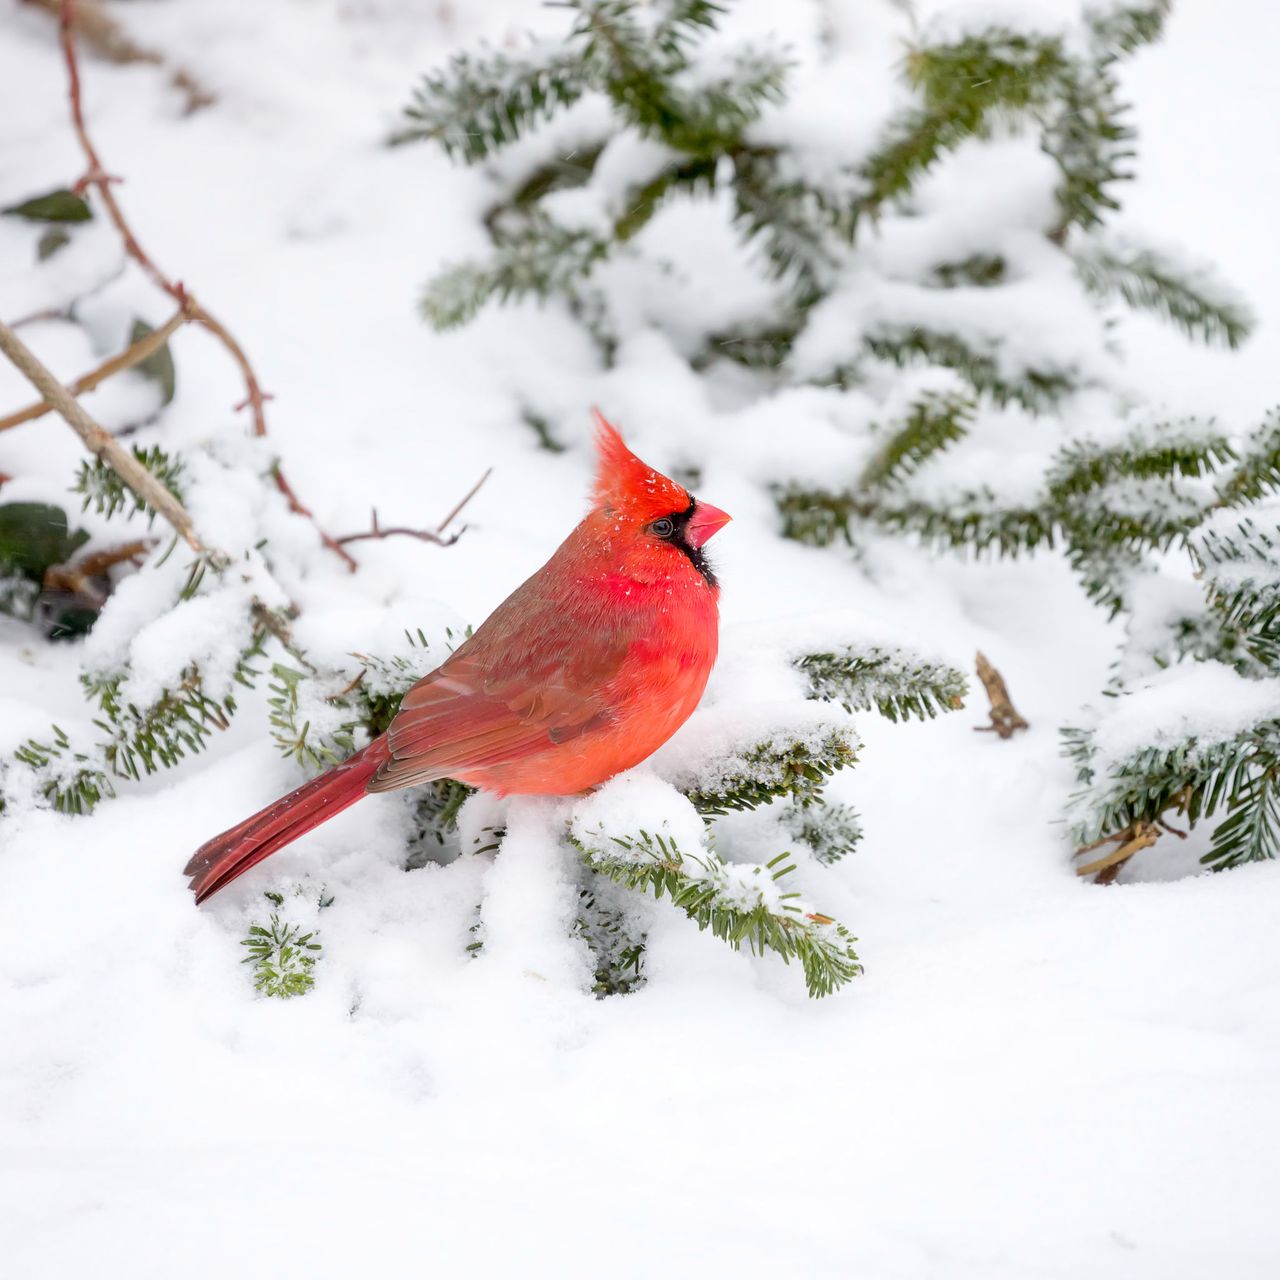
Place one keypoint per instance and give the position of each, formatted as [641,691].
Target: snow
[1033,1078]
[638,801]
[1209,702]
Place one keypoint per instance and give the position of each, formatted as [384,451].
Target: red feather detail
[625,484]
[219,861]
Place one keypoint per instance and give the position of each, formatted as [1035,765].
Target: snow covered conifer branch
[738,904]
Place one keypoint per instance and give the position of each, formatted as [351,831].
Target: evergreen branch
[1037,390]
[795,763]
[1257,471]
[1089,141]
[100,485]
[477,105]
[617,947]
[143,740]
[981,270]
[752,346]
[992,70]
[283,958]
[1150,516]
[965,86]
[682,22]
[317,721]
[624,61]
[739,904]
[435,814]
[897,685]
[643,202]
[1148,282]
[714,113]
[1251,830]
[1240,570]
[1108,556]
[1194,779]
[72,782]
[1188,449]
[968,521]
[542,259]
[136,741]
[820,517]
[830,830]
[935,421]
[790,222]
[559,173]
[1123,29]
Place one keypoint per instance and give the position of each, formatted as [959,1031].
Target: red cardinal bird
[580,673]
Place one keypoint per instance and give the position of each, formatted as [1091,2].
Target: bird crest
[628,485]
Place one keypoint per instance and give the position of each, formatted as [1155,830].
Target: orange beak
[705,523]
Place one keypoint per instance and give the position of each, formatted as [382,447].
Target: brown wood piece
[1142,835]
[1005,719]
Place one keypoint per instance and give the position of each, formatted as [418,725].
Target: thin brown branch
[97,177]
[334,544]
[377,532]
[436,536]
[99,441]
[1005,719]
[145,346]
[462,502]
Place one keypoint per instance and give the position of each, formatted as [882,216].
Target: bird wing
[529,679]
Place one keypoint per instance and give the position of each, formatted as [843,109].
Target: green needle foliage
[1060,88]
[1236,781]
[616,946]
[1149,281]
[102,489]
[134,741]
[794,763]
[283,957]
[934,422]
[740,905]
[830,830]
[1230,536]
[895,683]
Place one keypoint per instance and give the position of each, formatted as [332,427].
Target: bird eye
[663,528]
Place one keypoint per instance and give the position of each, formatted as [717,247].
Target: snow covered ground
[1035,1078]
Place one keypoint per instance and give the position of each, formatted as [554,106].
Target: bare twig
[462,502]
[145,346]
[1005,719]
[436,536]
[376,531]
[99,441]
[96,176]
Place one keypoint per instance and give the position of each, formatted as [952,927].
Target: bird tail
[219,861]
